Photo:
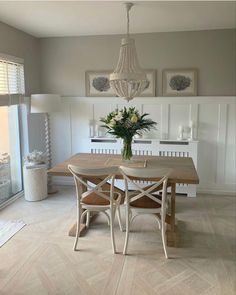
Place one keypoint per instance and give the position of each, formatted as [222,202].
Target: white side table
[35,182]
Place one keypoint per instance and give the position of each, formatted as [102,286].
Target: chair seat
[145,202]
[94,199]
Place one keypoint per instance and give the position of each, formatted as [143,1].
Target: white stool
[35,182]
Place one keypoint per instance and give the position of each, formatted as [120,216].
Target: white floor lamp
[46,103]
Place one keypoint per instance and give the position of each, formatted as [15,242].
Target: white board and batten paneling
[214,119]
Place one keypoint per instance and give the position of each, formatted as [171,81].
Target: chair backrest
[132,174]
[101,177]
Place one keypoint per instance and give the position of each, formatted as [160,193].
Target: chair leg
[107,216]
[158,221]
[119,218]
[112,230]
[77,227]
[163,235]
[128,215]
[87,219]
[82,218]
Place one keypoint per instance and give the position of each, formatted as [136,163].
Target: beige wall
[17,43]
[64,60]
[60,63]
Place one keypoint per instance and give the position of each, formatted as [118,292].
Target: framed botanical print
[150,89]
[179,82]
[97,83]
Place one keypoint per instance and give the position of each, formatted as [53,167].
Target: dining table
[183,171]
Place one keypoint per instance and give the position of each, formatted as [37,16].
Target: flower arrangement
[35,157]
[126,123]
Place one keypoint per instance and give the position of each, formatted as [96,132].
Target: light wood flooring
[39,259]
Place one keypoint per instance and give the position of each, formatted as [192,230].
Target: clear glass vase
[127,149]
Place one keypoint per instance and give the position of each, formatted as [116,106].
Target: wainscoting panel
[208,136]
[156,113]
[230,149]
[81,115]
[214,128]
[179,115]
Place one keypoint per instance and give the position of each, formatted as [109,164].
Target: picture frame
[150,91]
[97,84]
[179,82]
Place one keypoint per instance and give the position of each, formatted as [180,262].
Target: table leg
[72,231]
[83,228]
[172,233]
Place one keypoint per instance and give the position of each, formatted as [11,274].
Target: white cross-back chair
[143,200]
[92,198]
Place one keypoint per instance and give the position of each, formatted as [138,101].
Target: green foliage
[127,122]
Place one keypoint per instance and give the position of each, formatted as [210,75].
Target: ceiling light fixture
[128,80]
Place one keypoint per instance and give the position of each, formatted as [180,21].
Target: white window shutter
[12,84]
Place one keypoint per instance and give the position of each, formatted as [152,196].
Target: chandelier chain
[127,11]
[128,7]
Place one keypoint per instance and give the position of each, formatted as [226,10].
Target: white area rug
[8,229]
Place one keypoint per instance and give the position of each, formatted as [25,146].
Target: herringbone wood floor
[39,259]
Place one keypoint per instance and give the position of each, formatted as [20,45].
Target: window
[10,153]
[11,79]
[11,90]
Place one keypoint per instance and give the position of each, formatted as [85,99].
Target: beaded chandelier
[128,80]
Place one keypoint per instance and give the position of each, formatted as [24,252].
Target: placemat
[130,163]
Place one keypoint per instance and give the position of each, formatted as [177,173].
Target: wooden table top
[183,169]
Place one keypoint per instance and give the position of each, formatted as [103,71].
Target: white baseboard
[217,189]
[216,192]
[65,182]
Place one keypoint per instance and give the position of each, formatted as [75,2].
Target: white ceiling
[65,18]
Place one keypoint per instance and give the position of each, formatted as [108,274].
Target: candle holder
[91,128]
[191,126]
[181,131]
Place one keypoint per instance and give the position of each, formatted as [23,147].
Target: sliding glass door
[10,153]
